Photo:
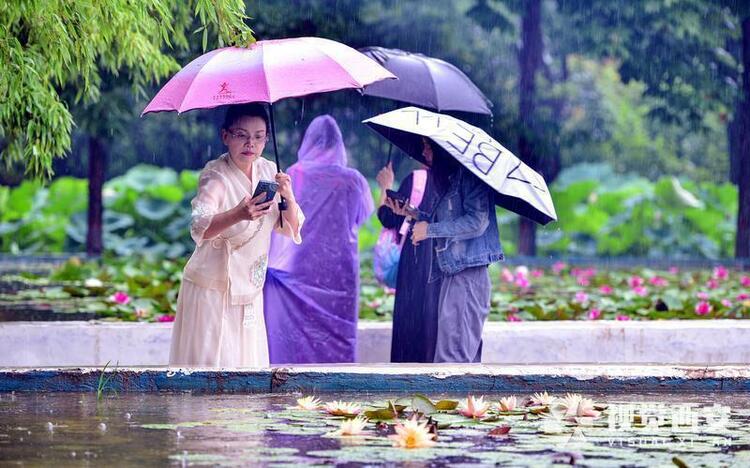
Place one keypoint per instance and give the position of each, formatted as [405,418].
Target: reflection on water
[73,429]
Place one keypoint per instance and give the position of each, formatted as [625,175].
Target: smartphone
[268,186]
[402,199]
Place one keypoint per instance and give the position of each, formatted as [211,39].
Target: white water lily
[308,403]
[507,403]
[342,408]
[577,406]
[542,399]
[93,283]
[352,427]
[412,434]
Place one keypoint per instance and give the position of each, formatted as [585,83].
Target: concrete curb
[443,378]
[683,342]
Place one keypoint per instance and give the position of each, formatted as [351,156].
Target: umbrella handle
[282,203]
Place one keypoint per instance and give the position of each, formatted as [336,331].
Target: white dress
[219,320]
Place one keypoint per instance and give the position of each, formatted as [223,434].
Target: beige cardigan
[235,261]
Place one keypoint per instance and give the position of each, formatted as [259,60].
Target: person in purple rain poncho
[312,290]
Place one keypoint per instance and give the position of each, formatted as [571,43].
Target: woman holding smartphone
[219,320]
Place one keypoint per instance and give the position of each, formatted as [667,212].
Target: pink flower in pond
[743,296]
[745,281]
[537,273]
[581,297]
[703,308]
[726,303]
[506,275]
[583,281]
[389,291]
[721,273]
[703,296]
[674,270]
[658,281]
[522,282]
[120,297]
[557,267]
[511,317]
[605,289]
[595,314]
[712,284]
[640,291]
[375,303]
[522,271]
[622,318]
[166,318]
[635,281]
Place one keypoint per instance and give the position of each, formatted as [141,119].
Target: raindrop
[127,416]
[102,427]
[179,435]
[50,427]
[73,454]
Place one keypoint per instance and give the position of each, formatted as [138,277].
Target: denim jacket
[464,225]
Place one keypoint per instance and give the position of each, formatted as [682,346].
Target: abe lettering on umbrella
[481,151]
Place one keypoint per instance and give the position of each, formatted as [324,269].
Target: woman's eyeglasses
[240,135]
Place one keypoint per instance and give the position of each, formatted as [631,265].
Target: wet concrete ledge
[480,379]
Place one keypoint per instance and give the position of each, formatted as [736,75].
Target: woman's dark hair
[235,113]
[443,166]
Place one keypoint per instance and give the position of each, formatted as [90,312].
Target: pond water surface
[189,429]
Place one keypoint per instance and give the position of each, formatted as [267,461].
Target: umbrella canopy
[519,188]
[426,82]
[266,71]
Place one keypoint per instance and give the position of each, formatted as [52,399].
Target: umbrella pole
[390,150]
[282,203]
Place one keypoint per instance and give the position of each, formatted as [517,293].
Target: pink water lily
[635,281]
[473,407]
[640,291]
[703,296]
[522,271]
[522,282]
[674,270]
[622,318]
[712,283]
[595,314]
[658,281]
[605,289]
[507,276]
[166,318]
[412,434]
[511,317]
[703,308]
[507,403]
[537,273]
[576,406]
[120,297]
[581,297]
[745,281]
[726,303]
[743,296]
[721,273]
[557,267]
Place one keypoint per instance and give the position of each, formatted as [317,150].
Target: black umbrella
[426,82]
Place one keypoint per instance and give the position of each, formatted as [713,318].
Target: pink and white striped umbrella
[267,71]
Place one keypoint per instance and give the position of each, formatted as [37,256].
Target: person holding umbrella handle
[219,321]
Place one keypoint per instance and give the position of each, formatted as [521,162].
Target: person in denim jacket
[463,226]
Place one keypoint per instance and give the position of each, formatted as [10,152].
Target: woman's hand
[385,177]
[250,209]
[419,232]
[400,209]
[285,185]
